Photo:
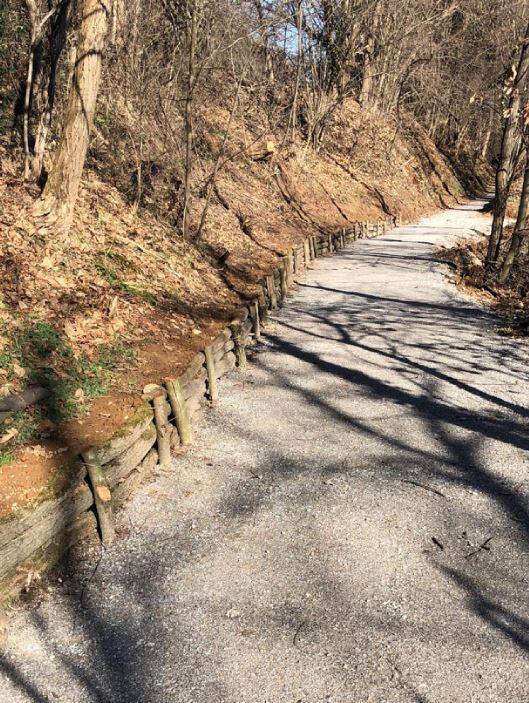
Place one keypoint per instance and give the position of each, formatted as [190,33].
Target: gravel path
[352,527]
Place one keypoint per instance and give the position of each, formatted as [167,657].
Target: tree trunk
[299,29]
[488,135]
[57,43]
[510,147]
[520,230]
[367,75]
[188,112]
[60,192]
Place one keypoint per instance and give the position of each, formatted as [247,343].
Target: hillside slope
[125,300]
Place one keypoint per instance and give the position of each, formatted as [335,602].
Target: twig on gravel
[423,486]
[482,547]
[438,544]
[296,635]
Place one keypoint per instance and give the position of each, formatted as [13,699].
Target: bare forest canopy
[142,75]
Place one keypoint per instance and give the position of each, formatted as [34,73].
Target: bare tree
[40,18]
[60,192]
[510,148]
[521,229]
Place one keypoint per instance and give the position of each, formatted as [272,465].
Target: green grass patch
[6,456]
[72,381]
[112,267]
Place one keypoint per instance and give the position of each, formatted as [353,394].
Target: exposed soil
[126,276]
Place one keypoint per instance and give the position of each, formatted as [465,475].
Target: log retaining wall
[37,537]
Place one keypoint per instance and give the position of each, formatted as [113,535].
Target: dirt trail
[352,527]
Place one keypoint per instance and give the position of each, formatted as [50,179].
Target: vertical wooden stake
[329,241]
[271,292]
[284,283]
[288,267]
[179,407]
[162,429]
[213,389]
[240,348]
[306,249]
[312,247]
[102,499]
[254,313]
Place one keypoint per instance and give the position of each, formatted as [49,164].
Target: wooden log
[300,256]
[220,340]
[256,323]
[47,555]
[195,366]
[227,363]
[213,389]
[12,404]
[30,529]
[178,405]
[130,483]
[290,259]
[194,406]
[125,436]
[294,261]
[246,328]
[102,499]
[195,387]
[229,346]
[241,315]
[158,396]
[132,456]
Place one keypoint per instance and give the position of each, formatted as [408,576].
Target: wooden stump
[213,390]
[179,407]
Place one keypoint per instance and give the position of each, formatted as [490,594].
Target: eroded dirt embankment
[125,300]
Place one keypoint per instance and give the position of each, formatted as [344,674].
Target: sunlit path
[353,525]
